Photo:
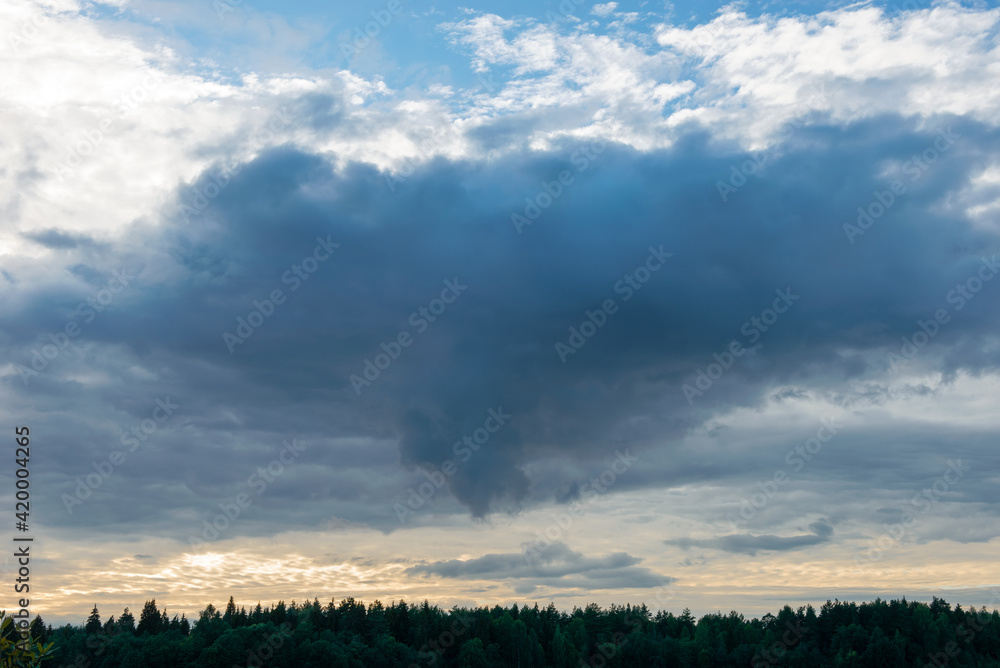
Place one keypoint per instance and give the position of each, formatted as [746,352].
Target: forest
[351,634]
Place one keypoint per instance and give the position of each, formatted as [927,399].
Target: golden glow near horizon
[297,566]
[341,560]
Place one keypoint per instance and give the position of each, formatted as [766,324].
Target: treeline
[350,634]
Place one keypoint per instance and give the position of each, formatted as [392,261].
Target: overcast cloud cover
[503,303]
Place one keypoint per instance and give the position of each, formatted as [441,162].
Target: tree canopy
[349,633]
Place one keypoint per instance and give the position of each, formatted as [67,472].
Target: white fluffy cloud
[100,129]
[756,73]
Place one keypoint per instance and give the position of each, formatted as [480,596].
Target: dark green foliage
[93,624]
[880,634]
[150,620]
[38,631]
[126,623]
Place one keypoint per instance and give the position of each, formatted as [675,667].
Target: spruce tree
[93,622]
[150,620]
[230,615]
[37,630]
[126,623]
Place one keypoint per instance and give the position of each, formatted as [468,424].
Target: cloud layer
[753,259]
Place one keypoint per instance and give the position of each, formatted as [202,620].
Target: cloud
[741,77]
[557,566]
[674,111]
[495,346]
[56,240]
[147,120]
[750,544]
[767,67]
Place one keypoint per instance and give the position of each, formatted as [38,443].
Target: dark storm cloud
[557,566]
[751,544]
[494,346]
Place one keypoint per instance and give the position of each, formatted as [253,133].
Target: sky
[687,304]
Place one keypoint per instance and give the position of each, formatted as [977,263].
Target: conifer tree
[150,621]
[93,622]
[126,623]
[230,615]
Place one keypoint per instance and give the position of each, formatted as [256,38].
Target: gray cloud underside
[557,565]
[751,544]
[494,346]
